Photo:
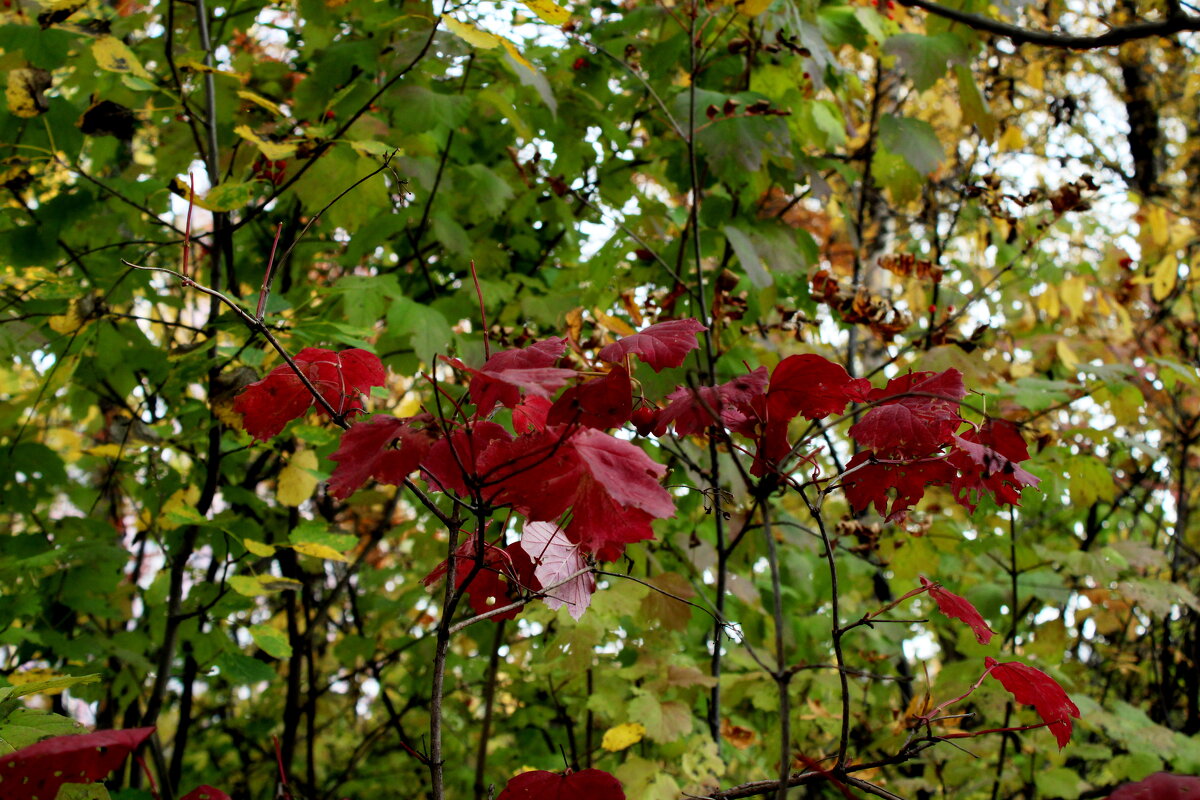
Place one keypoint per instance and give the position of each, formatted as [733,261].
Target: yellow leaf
[1160,232]
[25,92]
[1066,354]
[104,450]
[516,54]
[255,585]
[1011,139]
[179,500]
[612,324]
[1070,292]
[258,548]
[549,11]
[1035,76]
[196,66]
[1163,278]
[68,322]
[470,34]
[318,551]
[296,480]
[622,736]
[274,151]
[1047,301]
[410,405]
[752,8]
[261,101]
[115,56]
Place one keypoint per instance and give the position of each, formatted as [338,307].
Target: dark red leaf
[605,402]
[39,770]
[506,374]
[1032,687]
[987,462]
[505,574]
[205,792]
[813,387]
[588,784]
[1160,786]
[341,378]
[901,484]
[448,458]
[663,345]
[366,452]
[922,418]
[531,414]
[957,607]
[692,410]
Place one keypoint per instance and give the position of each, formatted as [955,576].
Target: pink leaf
[663,345]
[921,419]
[987,462]
[1160,786]
[960,608]
[556,558]
[1032,687]
[341,378]
[588,784]
[39,770]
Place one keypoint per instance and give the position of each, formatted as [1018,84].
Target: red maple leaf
[505,375]
[588,784]
[922,417]
[692,410]
[452,462]
[665,344]
[205,792]
[1160,786]
[960,608]
[869,482]
[987,462]
[505,573]
[1032,687]
[604,402]
[555,559]
[366,451]
[341,378]
[813,387]
[37,771]
[530,414]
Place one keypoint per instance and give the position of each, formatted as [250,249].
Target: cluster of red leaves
[587,784]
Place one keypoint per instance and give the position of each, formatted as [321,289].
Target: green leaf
[1059,782]
[24,727]
[925,58]
[273,641]
[747,256]
[914,139]
[241,670]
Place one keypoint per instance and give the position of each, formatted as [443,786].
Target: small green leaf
[274,642]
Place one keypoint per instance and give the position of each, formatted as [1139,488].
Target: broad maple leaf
[903,485]
[692,410]
[1032,687]
[960,608]
[923,416]
[813,387]
[665,344]
[1160,786]
[507,374]
[555,559]
[587,784]
[39,770]
[987,462]
[366,451]
[341,378]
[605,402]
[505,574]
[205,792]
[452,462]
[530,414]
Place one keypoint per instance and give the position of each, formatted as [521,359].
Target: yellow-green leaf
[273,642]
[516,54]
[255,585]
[258,548]
[318,551]
[296,480]
[1164,277]
[274,151]
[548,11]
[261,101]
[115,56]
[25,92]
[470,34]
[229,196]
[622,736]
[752,8]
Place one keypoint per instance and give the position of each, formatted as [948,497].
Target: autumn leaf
[621,736]
[987,463]
[507,374]
[296,481]
[921,419]
[503,575]
[604,402]
[37,771]
[893,488]
[588,784]
[271,403]
[555,559]
[813,387]
[957,607]
[692,410]
[665,344]
[385,448]
[1160,786]
[1032,687]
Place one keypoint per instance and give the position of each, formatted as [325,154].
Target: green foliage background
[637,150]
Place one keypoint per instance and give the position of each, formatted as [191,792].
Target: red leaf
[812,386]
[987,462]
[912,426]
[960,608]
[692,409]
[503,377]
[271,403]
[663,345]
[530,415]
[605,402]
[556,558]
[39,770]
[205,792]
[504,575]
[588,784]
[1160,786]
[366,452]
[1032,687]
[448,458]
[902,484]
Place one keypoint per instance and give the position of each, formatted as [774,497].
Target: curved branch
[1176,23]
